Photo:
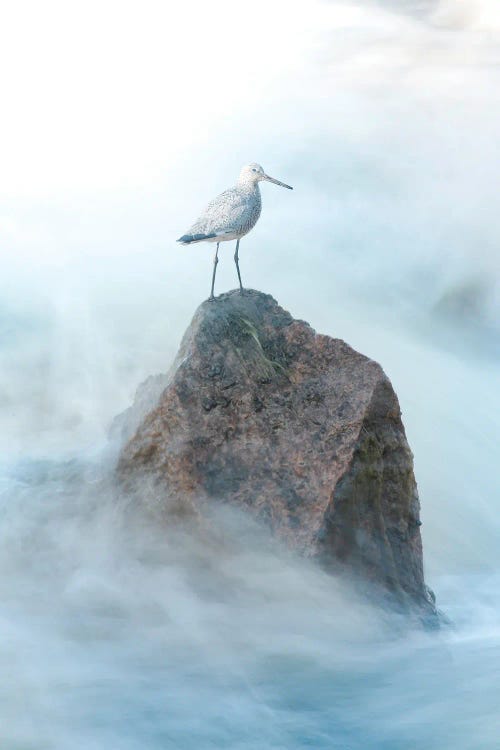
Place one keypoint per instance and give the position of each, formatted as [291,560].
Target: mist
[123,122]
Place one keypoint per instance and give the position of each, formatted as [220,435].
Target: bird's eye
[253,169]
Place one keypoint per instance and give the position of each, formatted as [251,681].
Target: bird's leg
[238,265]
[216,260]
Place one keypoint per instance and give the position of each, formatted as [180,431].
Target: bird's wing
[223,214]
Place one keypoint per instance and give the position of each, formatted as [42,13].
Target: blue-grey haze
[113,635]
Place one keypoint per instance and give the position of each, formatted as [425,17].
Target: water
[384,116]
[115,633]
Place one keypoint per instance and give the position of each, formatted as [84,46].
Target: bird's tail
[190,239]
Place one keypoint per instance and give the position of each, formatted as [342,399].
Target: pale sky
[100,95]
[120,120]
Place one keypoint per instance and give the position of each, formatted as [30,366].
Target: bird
[231,215]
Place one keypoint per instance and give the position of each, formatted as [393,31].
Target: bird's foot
[212,298]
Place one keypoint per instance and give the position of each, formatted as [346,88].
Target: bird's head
[253,173]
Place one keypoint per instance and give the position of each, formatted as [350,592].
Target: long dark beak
[277,182]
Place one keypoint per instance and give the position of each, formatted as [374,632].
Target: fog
[123,121]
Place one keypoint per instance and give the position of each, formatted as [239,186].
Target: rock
[146,398]
[262,413]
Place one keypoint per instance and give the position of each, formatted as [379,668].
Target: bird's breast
[252,213]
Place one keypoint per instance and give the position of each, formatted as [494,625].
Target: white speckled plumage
[229,216]
[232,214]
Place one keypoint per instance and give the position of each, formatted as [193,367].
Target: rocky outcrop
[299,429]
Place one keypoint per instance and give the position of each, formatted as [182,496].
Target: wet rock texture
[261,412]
